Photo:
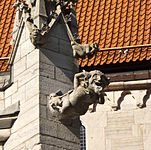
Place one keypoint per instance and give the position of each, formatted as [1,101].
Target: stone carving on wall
[40,16]
[88,89]
[80,50]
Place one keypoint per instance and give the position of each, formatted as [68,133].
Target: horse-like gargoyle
[88,89]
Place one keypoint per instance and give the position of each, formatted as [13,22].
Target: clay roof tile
[115,23]
[7,13]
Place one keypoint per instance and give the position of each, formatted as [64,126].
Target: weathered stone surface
[4,134]
[33,58]
[33,142]
[99,134]
[65,47]
[43,111]
[26,118]
[25,37]
[20,95]
[2,101]
[68,133]
[48,128]
[118,132]
[137,130]
[1,147]
[32,87]
[29,104]
[43,99]
[59,30]
[130,143]
[142,116]
[2,95]
[52,44]
[147,136]
[139,116]
[22,135]
[13,89]
[11,110]
[120,118]
[2,104]
[38,147]
[100,119]
[108,144]
[110,95]
[20,66]
[19,147]
[124,130]
[47,70]
[59,143]
[27,75]
[49,86]
[7,122]
[64,75]
[26,48]
[8,101]
[128,103]
[81,50]
[56,59]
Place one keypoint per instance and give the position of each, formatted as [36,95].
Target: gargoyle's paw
[114,108]
[140,105]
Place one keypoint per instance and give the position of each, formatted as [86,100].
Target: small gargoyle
[81,50]
[88,89]
[51,10]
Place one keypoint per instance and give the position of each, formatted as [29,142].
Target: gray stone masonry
[57,69]
[39,71]
[128,128]
[121,130]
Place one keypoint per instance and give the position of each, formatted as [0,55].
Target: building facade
[37,59]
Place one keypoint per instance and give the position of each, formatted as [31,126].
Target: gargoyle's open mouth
[98,83]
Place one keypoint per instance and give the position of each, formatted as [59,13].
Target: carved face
[35,32]
[98,81]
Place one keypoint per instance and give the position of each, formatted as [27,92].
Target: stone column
[39,71]
[57,69]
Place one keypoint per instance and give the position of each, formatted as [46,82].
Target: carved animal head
[98,81]
[94,47]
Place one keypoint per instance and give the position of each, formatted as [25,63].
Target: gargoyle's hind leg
[65,104]
[94,107]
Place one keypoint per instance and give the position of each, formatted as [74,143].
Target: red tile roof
[7,17]
[110,23]
[115,23]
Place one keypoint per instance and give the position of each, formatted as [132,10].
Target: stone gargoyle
[88,89]
[48,12]
[81,50]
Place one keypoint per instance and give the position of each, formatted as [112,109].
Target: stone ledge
[129,76]
[129,85]
[4,134]
[6,123]
[11,110]
[7,118]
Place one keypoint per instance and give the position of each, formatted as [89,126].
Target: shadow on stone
[120,100]
[146,97]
